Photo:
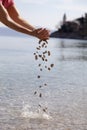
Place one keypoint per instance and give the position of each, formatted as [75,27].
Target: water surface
[66,93]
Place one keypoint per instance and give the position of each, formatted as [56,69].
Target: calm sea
[65,95]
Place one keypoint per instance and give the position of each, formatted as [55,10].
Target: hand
[41,33]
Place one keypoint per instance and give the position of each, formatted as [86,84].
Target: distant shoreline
[63,35]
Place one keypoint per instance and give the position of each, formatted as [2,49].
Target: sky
[49,13]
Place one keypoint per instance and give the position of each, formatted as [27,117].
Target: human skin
[11,18]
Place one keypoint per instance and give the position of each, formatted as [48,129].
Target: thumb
[39,30]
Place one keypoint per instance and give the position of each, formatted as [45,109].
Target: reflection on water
[66,94]
[76,50]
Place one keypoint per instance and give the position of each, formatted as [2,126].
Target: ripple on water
[38,114]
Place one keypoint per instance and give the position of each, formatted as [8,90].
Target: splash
[28,113]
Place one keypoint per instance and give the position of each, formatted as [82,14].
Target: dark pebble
[35,93]
[49,53]
[49,68]
[45,66]
[38,76]
[40,86]
[40,69]
[39,65]
[42,58]
[40,55]
[36,57]
[38,48]
[40,95]
[46,60]
[52,65]
[45,84]
[39,105]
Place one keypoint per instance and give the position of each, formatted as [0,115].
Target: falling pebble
[40,55]
[52,65]
[49,53]
[45,66]
[35,93]
[45,84]
[40,69]
[40,86]
[46,60]
[38,48]
[40,95]
[40,41]
[49,68]
[36,57]
[43,44]
[42,58]
[46,41]
[39,105]
[44,52]
[39,65]
[45,109]
[38,76]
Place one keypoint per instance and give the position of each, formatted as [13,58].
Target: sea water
[65,96]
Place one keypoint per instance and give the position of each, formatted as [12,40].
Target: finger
[44,34]
[43,31]
[39,30]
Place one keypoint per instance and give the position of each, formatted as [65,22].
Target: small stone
[36,57]
[44,52]
[39,65]
[39,105]
[43,44]
[41,69]
[38,48]
[46,60]
[49,68]
[40,95]
[49,53]
[46,41]
[45,109]
[42,58]
[40,41]
[35,93]
[45,84]
[40,86]
[52,65]
[40,55]
[38,76]
[45,66]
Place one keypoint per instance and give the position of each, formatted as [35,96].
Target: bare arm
[42,34]
[5,19]
[14,14]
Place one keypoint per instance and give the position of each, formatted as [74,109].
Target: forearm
[23,23]
[5,19]
[19,24]
[16,26]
